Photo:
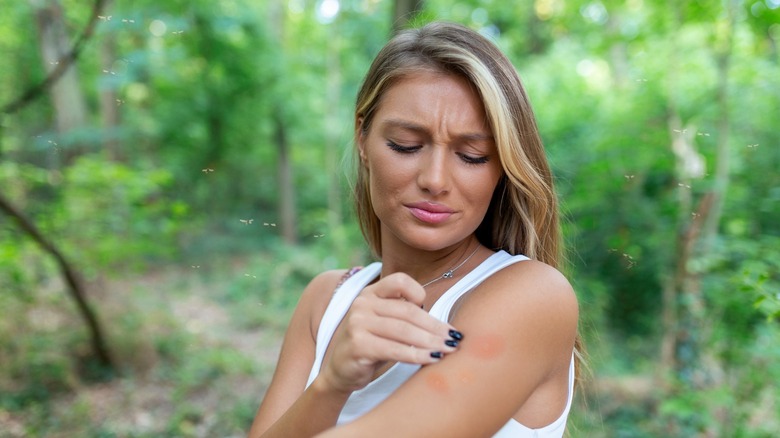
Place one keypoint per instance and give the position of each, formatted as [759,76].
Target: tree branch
[62,65]
[72,278]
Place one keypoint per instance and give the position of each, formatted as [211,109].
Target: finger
[387,350]
[414,315]
[396,320]
[367,308]
[398,285]
[405,333]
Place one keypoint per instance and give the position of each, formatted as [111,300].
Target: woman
[465,328]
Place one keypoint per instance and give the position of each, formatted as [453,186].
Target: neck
[425,266]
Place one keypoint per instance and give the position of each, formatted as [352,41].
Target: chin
[434,243]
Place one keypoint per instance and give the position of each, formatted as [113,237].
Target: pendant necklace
[449,273]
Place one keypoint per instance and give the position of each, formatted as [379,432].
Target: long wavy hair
[523,214]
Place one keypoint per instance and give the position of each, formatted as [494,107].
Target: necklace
[449,273]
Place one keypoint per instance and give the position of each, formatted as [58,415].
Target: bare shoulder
[317,294]
[527,283]
[529,307]
[322,283]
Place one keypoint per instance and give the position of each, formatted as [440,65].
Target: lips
[429,212]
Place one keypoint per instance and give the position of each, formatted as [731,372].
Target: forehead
[431,97]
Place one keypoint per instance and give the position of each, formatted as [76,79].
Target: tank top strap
[345,293]
[501,259]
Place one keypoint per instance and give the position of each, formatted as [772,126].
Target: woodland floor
[159,397]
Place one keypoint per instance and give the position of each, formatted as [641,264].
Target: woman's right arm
[286,409]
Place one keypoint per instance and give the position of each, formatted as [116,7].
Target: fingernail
[451,343]
[436,355]
[456,335]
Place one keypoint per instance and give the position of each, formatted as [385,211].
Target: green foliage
[115,216]
[739,407]
[746,272]
[203,88]
[271,282]
[35,365]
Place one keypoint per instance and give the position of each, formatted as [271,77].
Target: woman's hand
[385,324]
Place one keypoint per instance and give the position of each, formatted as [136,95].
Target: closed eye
[469,159]
[403,149]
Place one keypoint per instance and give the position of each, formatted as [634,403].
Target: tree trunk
[73,281]
[333,122]
[404,11]
[722,157]
[287,211]
[704,223]
[670,293]
[109,106]
[69,106]
[618,51]
[695,366]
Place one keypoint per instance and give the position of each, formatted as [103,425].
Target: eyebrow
[411,126]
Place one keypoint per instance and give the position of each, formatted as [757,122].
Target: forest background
[173,172]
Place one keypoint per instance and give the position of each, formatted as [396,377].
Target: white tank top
[365,399]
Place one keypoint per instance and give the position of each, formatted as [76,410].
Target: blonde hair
[523,213]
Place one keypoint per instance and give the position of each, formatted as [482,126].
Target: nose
[433,176]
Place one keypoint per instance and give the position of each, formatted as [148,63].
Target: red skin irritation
[487,346]
[437,382]
[484,347]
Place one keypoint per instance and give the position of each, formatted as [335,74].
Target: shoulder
[324,281]
[526,280]
[527,283]
[318,293]
[298,349]
[538,279]
[530,306]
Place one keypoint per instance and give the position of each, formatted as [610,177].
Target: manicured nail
[436,354]
[456,335]
[451,343]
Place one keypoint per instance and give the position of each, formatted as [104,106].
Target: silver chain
[450,272]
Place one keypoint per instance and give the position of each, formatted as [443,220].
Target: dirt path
[166,400]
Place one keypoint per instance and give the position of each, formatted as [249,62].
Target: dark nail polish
[436,355]
[451,343]
[456,335]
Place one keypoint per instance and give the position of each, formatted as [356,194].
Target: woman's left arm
[519,329]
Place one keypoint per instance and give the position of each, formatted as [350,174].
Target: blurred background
[172,173]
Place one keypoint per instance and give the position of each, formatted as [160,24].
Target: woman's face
[431,160]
